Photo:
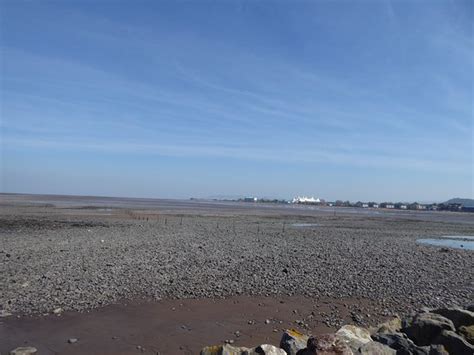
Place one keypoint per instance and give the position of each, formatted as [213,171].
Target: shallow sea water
[458,242]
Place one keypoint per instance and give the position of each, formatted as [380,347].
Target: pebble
[227,265]
[72,340]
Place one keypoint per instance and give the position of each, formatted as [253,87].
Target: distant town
[453,205]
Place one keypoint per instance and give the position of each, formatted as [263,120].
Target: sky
[366,100]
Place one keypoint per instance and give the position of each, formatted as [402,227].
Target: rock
[327,344]
[454,343]
[269,350]
[467,333]
[470,307]
[400,343]
[24,350]
[72,340]
[311,347]
[438,350]
[292,341]
[390,326]
[354,337]
[458,316]
[231,350]
[425,327]
[58,310]
[4,313]
[375,348]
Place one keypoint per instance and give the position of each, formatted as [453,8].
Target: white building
[304,199]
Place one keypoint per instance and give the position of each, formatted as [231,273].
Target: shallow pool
[303,225]
[459,242]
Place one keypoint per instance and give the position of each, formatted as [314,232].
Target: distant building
[250,199]
[375,205]
[304,199]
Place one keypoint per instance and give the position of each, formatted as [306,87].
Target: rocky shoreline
[444,331]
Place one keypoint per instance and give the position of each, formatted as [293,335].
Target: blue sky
[369,100]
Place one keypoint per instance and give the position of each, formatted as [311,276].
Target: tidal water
[459,242]
[305,225]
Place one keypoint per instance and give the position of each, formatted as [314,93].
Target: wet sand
[172,327]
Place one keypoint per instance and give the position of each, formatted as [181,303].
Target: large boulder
[390,326]
[425,327]
[292,341]
[458,316]
[327,344]
[438,349]
[467,333]
[375,348]
[264,349]
[454,343]
[24,350]
[354,337]
[400,343]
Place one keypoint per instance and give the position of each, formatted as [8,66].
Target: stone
[454,343]
[24,350]
[438,349]
[4,313]
[375,348]
[292,341]
[354,337]
[72,340]
[269,350]
[264,349]
[327,344]
[400,343]
[425,327]
[58,310]
[390,326]
[458,316]
[467,333]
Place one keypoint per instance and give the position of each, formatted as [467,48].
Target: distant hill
[466,202]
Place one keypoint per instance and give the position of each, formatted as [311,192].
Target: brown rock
[454,343]
[467,333]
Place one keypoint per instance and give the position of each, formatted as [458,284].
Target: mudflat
[171,276]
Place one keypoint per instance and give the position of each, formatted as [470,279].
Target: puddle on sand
[459,242]
[304,225]
[458,237]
